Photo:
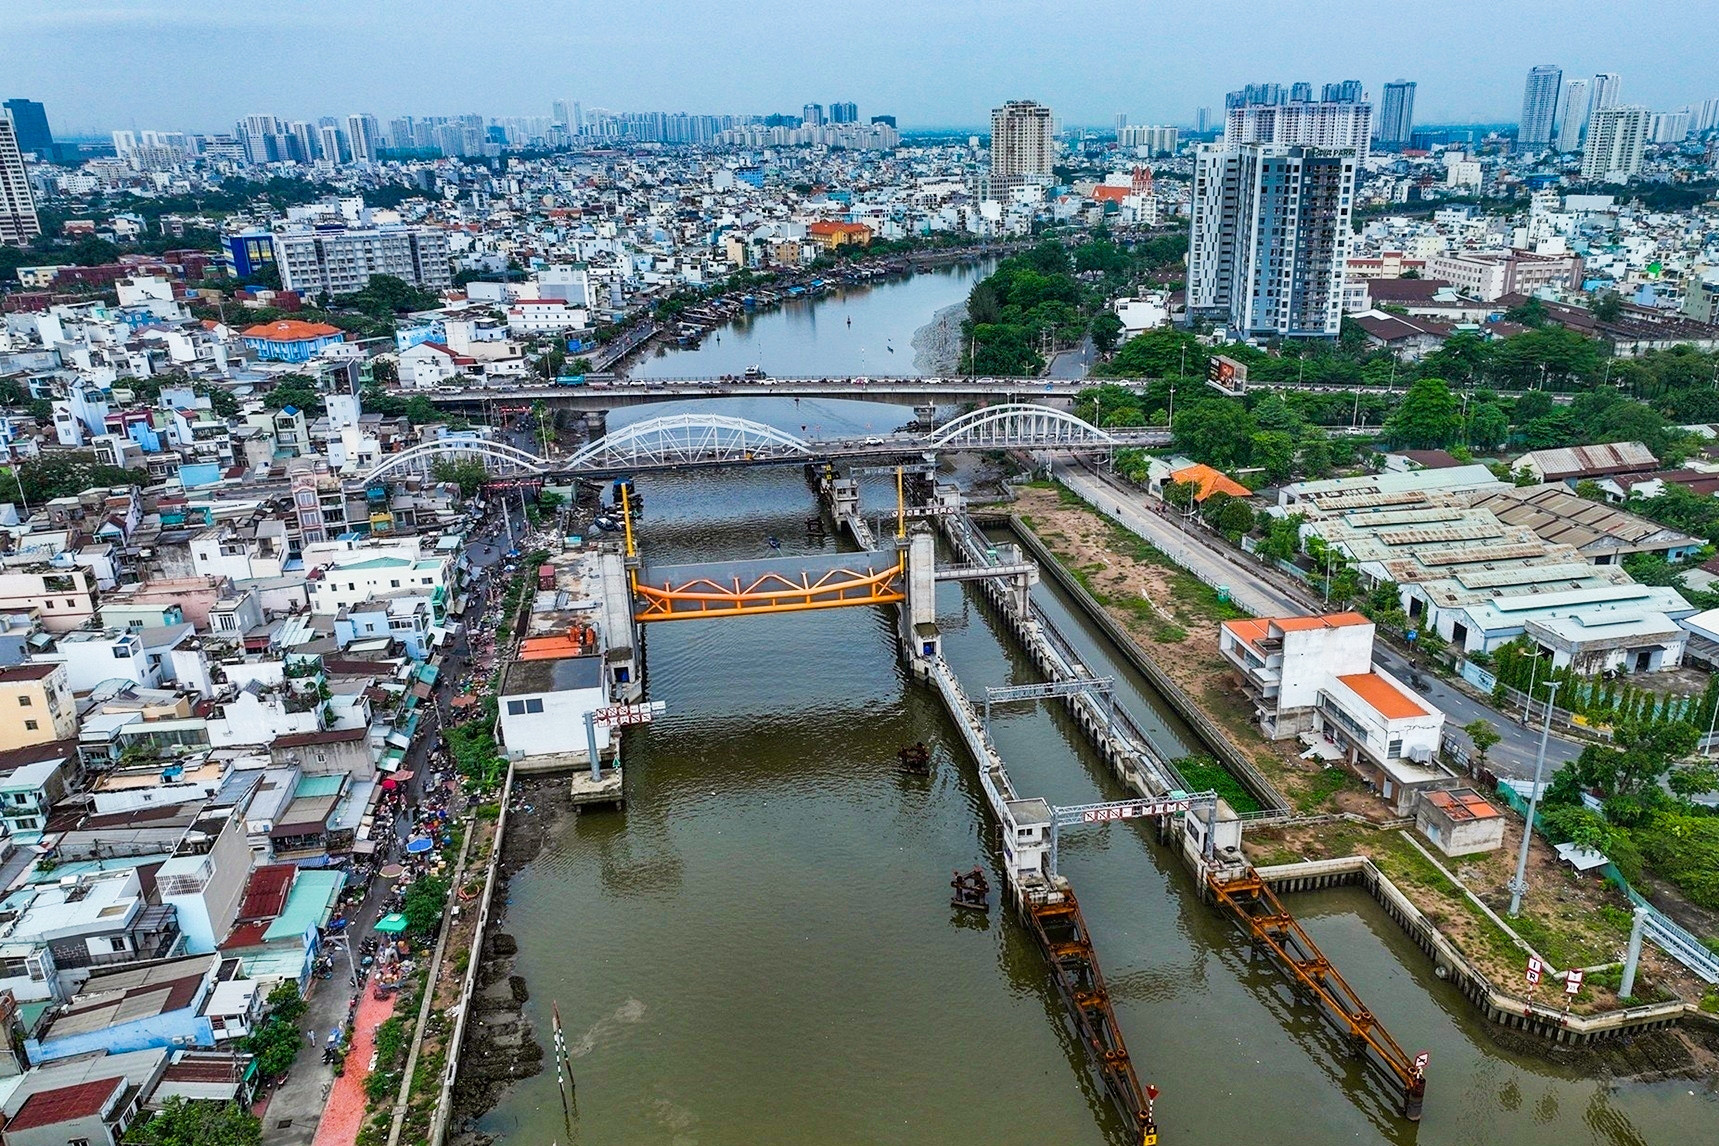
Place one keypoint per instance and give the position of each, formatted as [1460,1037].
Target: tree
[187,1122]
[1274,452]
[1487,426]
[1693,780]
[63,475]
[425,902]
[1105,329]
[467,473]
[276,1040]
[1283,537]
[1483,736]
[1608,307]
[1428,417]
[1218,432]
[549,363]
[386,371]
[295,390]
[1235,519]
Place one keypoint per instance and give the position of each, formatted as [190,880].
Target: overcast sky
[201,64]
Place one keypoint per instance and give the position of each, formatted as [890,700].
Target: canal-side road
[1250,589]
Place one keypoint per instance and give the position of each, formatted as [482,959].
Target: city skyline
[940,76]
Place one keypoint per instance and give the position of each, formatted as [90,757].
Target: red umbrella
[389,785]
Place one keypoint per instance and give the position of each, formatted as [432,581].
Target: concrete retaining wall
[1498,1006]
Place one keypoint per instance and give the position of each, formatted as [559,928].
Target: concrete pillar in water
[596,424]
[919,613]
[1627,987]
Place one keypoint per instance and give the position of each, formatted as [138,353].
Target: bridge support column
[919,637]
[1021,584]
[926,416]
[623,657]
[596,424]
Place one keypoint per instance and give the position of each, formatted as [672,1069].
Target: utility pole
[1519,885]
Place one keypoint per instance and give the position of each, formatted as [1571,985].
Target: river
[761,950]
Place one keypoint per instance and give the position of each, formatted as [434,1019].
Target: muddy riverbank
[937,344]
[500,1046]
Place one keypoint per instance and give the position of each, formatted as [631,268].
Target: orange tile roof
[1329,621]
[1382,696]
[1210,481]
[553,648]
[825,227]
[290,330]
[1249,630]
[1106,193]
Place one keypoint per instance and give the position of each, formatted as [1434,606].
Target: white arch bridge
[679,441]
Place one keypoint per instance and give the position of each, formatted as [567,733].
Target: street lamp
[1519,885]
[1536,654]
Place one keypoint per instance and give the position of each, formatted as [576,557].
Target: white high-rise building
[1617,139]
[338,262]
[1396,122]
[561,112]
[1573,124]
[1270,234]
[1022,148]
[1323,123]
[304,140]
[328,144]
[18,220]
[1540,105]
[363,137]
[1604,92]
[1151,139]
[1707,117]
[1669,127]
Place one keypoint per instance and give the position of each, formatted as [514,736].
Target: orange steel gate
[1063,935]
[1260,913]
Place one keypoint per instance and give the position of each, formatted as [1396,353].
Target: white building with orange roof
[1314,677]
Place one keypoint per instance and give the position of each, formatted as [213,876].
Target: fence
[1661,928]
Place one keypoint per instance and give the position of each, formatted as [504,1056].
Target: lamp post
[1519,884]
[1531,674]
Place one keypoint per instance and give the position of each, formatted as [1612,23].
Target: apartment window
[395,584]
[23,702]
[516,708]
[30,726]
[122,652]
[118,943]
[1394,749]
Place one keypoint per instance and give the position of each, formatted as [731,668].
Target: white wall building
[1617,140]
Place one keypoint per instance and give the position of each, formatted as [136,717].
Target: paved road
[1514,754]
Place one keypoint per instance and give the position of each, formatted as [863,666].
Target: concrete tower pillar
[919,636]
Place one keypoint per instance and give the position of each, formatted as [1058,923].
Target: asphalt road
[1514,754]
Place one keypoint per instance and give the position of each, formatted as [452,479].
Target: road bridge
[610,394]
[685,441]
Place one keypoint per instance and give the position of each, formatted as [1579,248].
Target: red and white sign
[1572,982]
[619,715]
[1133,810]
[1421,1061]
[1535,970]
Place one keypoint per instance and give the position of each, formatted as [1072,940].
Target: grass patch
[1203,772]
[1314,796]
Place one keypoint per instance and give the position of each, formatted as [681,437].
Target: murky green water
[761,950]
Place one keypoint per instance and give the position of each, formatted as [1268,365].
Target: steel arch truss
[739,589]
[1018,424]
[497,456]
[684,438]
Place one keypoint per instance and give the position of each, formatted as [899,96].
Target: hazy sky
[201,64]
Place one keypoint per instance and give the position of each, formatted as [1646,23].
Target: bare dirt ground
[1175,618]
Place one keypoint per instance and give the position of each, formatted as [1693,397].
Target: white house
[545,698]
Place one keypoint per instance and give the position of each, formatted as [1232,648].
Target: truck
[570,380]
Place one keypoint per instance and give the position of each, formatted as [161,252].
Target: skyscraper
[1202,120]
[1540,105]
[812,115]
[364,137]
[562,113]
[847,112]
[1606,90]
[1573,124]
[1349,91]
[1396,122]
[1121,122]
[1270,230]
[1617,138]
[18,220]
[1021,149]
[30,121]
[328,144]
[1334,124]
[1301,92]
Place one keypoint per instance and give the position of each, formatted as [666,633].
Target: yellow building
[35,705]
[833,235]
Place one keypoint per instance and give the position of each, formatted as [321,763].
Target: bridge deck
[772,585]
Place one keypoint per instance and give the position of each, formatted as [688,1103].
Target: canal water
[853,331]
[761,949]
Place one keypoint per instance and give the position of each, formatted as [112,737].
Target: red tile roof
[290,330]
[266,893]
[1210,481]
[62,1104]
